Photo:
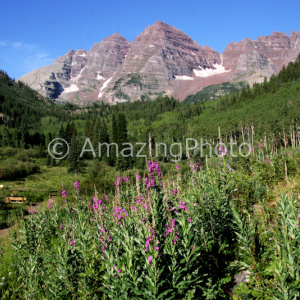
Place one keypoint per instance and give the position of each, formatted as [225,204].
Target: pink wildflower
[76,185]
[64,194]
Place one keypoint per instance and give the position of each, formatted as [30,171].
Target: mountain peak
[161,59]
[114,37]
[160,23]
[279,34]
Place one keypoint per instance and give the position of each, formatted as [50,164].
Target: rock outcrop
[253,60]
[78,75]
[158,57]
[161,60]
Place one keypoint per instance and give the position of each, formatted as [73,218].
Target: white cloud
[18,57]
[37,60]
[17,44]
[25,46]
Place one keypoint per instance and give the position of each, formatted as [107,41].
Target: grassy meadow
[183,234]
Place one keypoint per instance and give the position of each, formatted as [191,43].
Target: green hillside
[216,91]
[269,110]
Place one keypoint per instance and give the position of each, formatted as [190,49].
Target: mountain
[79,75]
[161,60]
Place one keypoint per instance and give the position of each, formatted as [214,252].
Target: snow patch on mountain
[99,77]
[103,87]
[184,77]
[219,69]
[72,88]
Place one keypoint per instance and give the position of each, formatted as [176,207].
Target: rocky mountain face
[252,60]
[161,60]
[79,75]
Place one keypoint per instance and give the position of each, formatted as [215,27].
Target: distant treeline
[29,120]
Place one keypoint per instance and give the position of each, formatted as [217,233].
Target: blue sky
[33,33]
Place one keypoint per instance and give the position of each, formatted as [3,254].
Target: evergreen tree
[73,130]
[24,135]
[87,128]
[61,135]
[114,130]
[53,162]
[123,163]
[48,139]
[68,132]
[48,160]
[104,139]
[96,135]
[74,163]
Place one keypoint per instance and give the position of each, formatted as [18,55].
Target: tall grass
[182,238]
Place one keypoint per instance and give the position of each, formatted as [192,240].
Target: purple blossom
[98,206]
[64,194]
[194,167]
[118,182]
[223,151]
[76,185]
[119,214]
[153,167]
[183,206]
[175,192]
[170,227]
[148,240]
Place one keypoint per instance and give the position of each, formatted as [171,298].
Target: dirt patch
[35,207]
[3,232]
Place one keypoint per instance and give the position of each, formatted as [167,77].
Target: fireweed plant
[184,238]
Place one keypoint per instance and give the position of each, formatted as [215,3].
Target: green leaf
[164,293]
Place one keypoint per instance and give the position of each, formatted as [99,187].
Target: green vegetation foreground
[184,238]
